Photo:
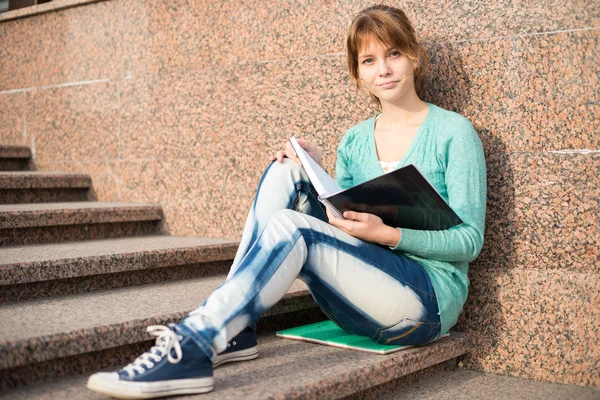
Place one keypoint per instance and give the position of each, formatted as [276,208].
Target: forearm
[456,244]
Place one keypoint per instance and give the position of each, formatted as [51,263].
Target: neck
[403,111]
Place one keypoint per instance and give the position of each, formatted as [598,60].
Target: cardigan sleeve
[342,167]
[465,180]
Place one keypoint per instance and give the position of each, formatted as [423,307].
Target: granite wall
[181,102]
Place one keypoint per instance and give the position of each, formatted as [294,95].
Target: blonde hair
[390,26]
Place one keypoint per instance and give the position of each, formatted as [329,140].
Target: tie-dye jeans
[363,287]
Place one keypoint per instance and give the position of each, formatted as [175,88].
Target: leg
[282,186]
[370,291]
[290,244]
[351,280]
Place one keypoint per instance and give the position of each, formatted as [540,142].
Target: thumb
[353,215]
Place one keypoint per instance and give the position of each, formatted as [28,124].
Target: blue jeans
[365,288]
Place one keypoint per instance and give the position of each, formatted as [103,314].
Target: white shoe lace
[166,339]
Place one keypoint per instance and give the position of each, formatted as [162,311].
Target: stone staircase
[81,280]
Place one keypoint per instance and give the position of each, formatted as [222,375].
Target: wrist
[392,236]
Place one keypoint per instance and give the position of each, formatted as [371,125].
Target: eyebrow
[370,55]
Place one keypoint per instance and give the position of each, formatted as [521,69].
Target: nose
[384,69]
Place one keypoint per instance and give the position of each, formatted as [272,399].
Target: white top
[389,166]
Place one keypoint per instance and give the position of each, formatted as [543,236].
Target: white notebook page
[323,183]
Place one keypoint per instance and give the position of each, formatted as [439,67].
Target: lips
[388,85]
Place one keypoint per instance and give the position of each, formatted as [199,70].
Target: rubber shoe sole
[241,355]
[110,384]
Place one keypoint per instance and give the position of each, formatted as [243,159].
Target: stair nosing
[80,266]
[43,180]
[74,215]
[304,371]
[384,370]
[15,152]
[53,345]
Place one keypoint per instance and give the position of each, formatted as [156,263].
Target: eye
[367,61]
[394,54]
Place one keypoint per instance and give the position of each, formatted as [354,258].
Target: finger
[353,215]
[330,215]
[289,150]
[306,145]
[303,143]
[291,154]
[336,222]
[343,224]
[280,156]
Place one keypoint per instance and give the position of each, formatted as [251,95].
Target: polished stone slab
[467,384]
[43,180]
[288,369]
[14,151]
[51,214]
[39,330]
[41,262]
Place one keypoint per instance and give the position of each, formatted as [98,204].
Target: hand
[387,212]
[368,227]
[288,152]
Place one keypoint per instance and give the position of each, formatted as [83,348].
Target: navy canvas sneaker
[175,365]
[241,348]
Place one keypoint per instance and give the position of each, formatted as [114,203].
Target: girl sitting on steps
[395,285]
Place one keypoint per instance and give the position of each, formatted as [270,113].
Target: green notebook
[328,333]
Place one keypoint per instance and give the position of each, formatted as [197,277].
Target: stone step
[59,222]
[41,330]
[288,369]
[467,384]
[15,158]
[43,187]
[42,270]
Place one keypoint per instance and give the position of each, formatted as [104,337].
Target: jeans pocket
[408,331]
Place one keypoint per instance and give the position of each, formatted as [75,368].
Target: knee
[286,220]
[286,216]
[287,168]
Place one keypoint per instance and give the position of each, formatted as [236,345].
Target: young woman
[395,285]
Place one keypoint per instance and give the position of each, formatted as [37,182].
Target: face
[385,72]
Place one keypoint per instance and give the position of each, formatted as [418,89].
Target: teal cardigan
[449,153]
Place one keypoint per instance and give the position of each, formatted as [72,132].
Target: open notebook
[402,198]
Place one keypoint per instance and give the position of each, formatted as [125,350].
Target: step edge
[385,370]
[30,349]
[31,218]
[36,180]
[15,151]
[114,263]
